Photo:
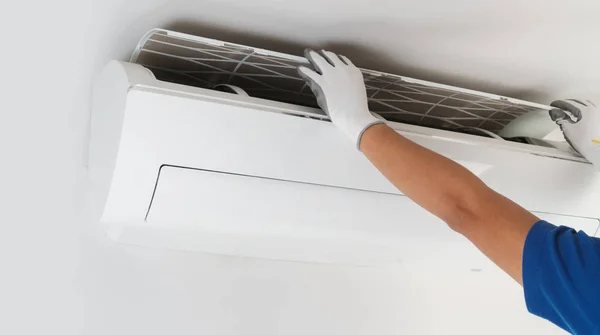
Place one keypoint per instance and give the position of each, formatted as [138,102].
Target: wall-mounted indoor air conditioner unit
[208,146]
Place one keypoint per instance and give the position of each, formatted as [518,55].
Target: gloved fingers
[569,108]
[313,80]
[342,59]
[332,58]
[309,75]
[346,60]
[559,116]
[316,60]
[576,101]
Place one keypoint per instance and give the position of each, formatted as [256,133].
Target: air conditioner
[257,171]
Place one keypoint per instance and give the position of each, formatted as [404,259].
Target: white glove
[579,121]
[340,91]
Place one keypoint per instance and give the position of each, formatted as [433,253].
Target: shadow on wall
[362,56]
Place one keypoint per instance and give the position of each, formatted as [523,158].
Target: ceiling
[539,50]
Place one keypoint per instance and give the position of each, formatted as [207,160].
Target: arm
[496,225]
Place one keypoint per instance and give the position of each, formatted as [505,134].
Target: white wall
[59,274]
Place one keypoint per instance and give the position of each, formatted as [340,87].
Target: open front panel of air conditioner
[207,63]
[185,167]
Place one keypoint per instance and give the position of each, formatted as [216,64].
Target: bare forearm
[496,225]
[435,182]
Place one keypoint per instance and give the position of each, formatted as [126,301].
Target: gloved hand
[340,91]
[579,121]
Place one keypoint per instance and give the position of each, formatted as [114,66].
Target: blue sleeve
[561,277]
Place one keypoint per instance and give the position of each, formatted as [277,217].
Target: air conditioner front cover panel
[203,62]
[278,219]
[252,216]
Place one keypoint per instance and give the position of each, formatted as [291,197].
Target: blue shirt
[561,277]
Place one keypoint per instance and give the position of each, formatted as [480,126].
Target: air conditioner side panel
[108,114]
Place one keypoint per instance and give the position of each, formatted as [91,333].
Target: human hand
[579,121]
[340,91]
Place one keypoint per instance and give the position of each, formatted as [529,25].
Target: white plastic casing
[179,167]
